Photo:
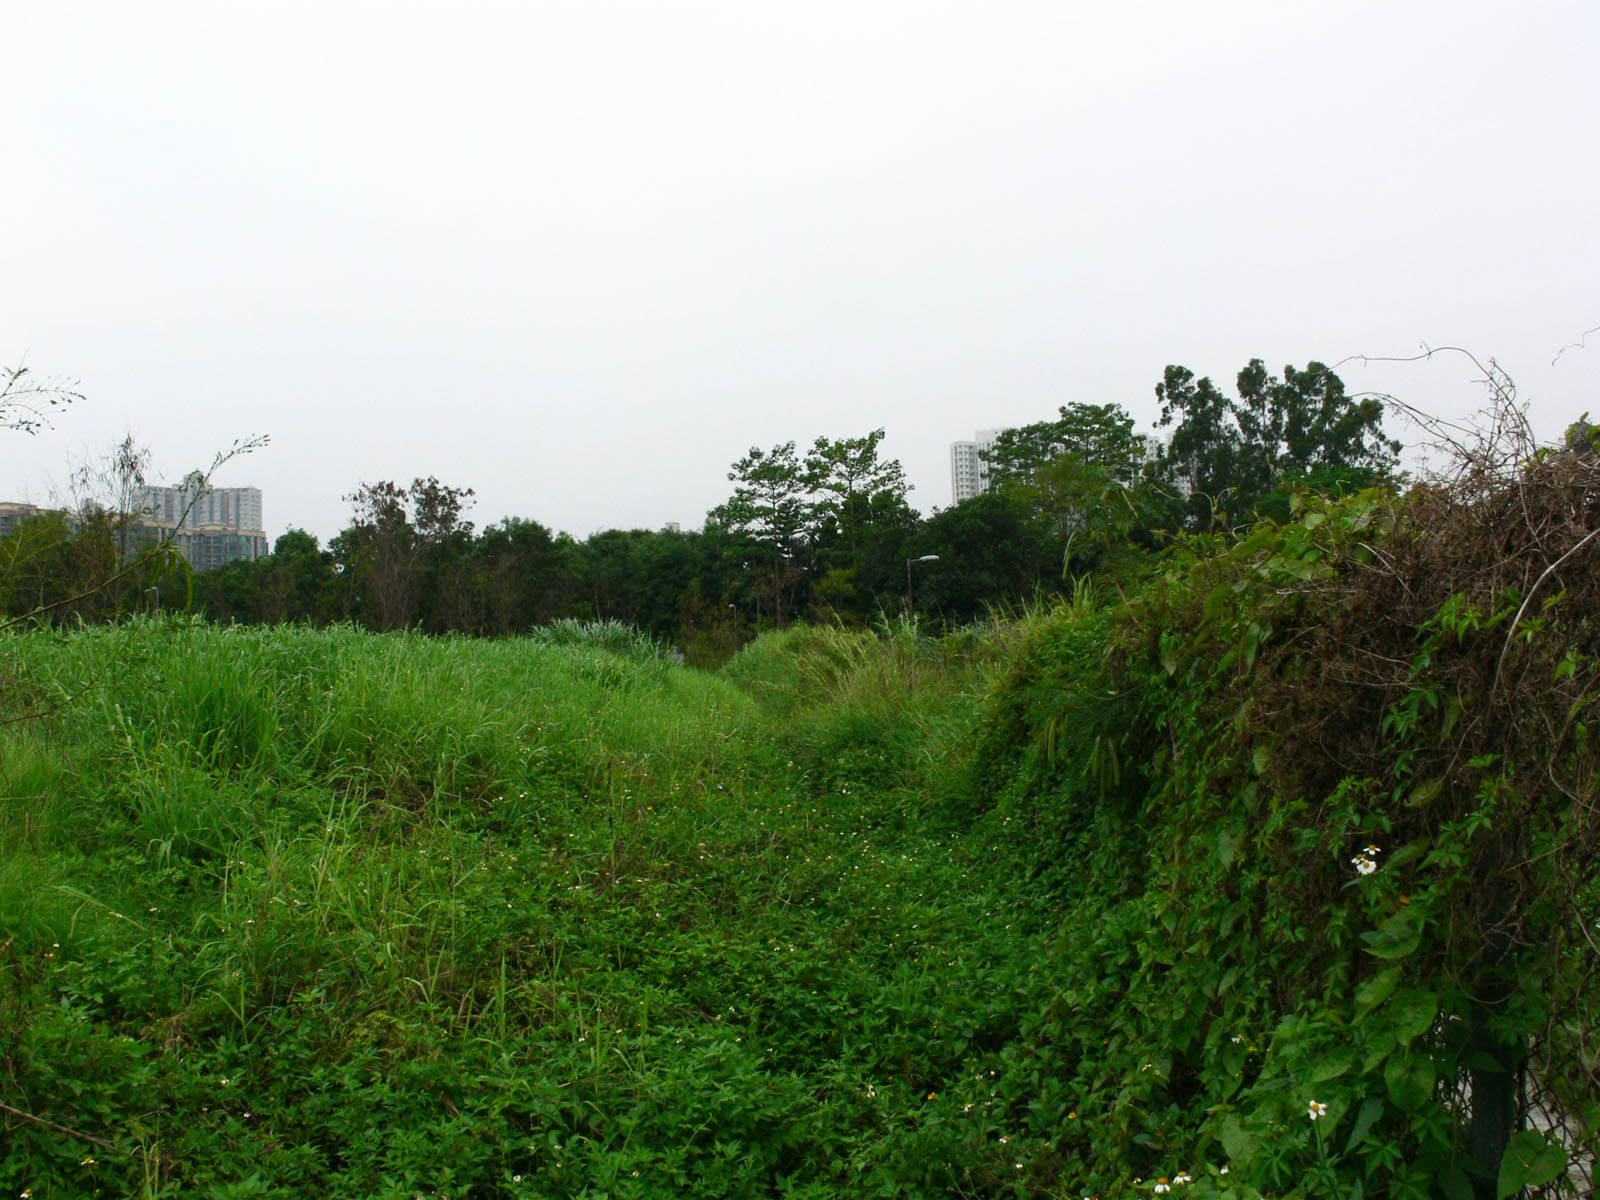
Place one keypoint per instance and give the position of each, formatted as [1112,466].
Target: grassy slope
[290,911]
[1071,907]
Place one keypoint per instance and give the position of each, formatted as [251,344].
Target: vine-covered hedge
[1320,811]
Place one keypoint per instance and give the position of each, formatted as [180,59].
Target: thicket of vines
[1320,809]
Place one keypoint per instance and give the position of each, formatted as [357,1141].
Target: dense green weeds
[288,911]
[1263,879]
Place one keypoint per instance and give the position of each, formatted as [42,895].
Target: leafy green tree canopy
[852,485]
[1227,454]
[768,503]
[1099,435]
[768,506]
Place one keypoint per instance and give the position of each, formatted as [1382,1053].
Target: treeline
[826,532]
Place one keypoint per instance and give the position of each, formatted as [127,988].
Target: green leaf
[1375,990]
[1411,850]
[1452,716]
[1240,1145]
[1254,635]
[1228,844]
[1530,1161]
[1453,1180]
[1256,541]
[1410,1079]
[1371,1109]
[1331,1065]
[1425,793]
[1412,1010]
[1230,917]
[1396,937]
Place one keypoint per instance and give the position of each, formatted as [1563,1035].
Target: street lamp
[910,605]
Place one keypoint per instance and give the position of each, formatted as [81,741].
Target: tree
[768,507]
[519,564]
[1097,434]
[446,576]
[408,555]
[1304,422]
[26,403]
[376,556]
[993,550]
[115,486]
[1202,457]
[299,580]
[1228,455]
[851,481]
[1084,476]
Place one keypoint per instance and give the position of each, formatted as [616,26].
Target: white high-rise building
[969,474]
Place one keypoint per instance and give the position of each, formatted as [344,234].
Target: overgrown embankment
[1270,876]
[1321,808]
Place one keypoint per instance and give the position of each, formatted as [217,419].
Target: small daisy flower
[1162,1185]
[1316,1110]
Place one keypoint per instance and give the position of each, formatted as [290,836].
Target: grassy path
[288,911]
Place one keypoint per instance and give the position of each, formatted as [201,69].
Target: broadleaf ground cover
[1266,874]
[302,910]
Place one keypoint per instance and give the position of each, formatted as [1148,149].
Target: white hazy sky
[581,256]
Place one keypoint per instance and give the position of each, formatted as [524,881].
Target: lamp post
[910,600]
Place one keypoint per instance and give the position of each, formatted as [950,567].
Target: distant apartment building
[13,514]
[212,546]
[235,508]
[216,527]
[969,474]
[222,526]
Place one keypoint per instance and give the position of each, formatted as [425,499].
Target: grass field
[1270,874]
[290,913]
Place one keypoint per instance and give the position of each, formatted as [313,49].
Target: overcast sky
[582,256]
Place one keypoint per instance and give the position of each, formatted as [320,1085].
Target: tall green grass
[291,911]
